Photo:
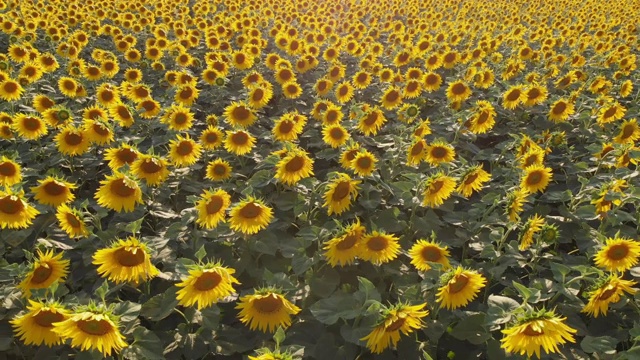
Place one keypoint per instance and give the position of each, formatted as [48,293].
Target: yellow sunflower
[610,113]
[250,216]
[211,138]
[15,212]
[618,254]
[287,128]
[439,152]
[416,152]
[607,292]
[68,86]
[10,172]
[92,329]
[391,98]
[239,142]
[240,114]
[536,178]
[205,285]
[438,188]
[178,117]
[332,115]
[483,119]
[459,287]
[340,192]
[536,95]
[473,180]
[98,131]
[72,141]
[126,260]
[515,203]
[561,110]
[629,132]
[535,330]
[183,151]
[218,169]
[344,249]
[44,271]
[531,228]
[266,310]
[344,92]
[431,81]
[534,156]
[363,163]
[35,327]
[121,156]
[458,91]
[401,318]
[259,96]
[71,222]
[152,169]
[212,208]
[424,252]
[10,90]
[30,127]
[119,192]
[295,166]
[372,121]
[53,191]
[379,248]
[335,135]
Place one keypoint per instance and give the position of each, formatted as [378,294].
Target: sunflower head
[459,287]
[266,309]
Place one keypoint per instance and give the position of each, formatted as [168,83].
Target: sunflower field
[331,179]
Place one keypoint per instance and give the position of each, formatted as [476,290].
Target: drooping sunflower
[212,208]
[295,166]
[561,110]
[118,157]
[341,190]
[250,216]
[266,309]
[239,142]
[391,98]
[240,114]
[206,284]
[184,151]
[424,252]
[531,228]
[45,270]
[379,247]
[439,152]
[29,127]
[458,91]
[372,121]
[187,94]
[515,203]
[122,114]
[363,163]
[335,135]
[608,291]
[618,254]
[126,260]
[473,180]
[119,192]
[344,249]
[536,178]
[535,330]
[152,169]
[10,172]
[437,189]
[53,191]
[71,222]
[92,328]
[459,287]
[15,212]
[218,169]
[401,318]
[35,327]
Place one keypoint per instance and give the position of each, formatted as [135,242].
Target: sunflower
[212,208]
[119,192]
[361,79]
[363,163]
[121,156]
[259,96]
[339,193]
[218,169]
[416,152]
[323,86]
[618,254]
[239,142]
[535,330]
[343,249]
[372,121]
[439,152]
[42,103]
[531,228]
[295,166]
[291,90]
[610,113]
[35,327]
[72,141]
[607,292]
[335,135]
[10,90]
[15,212]
[534,156]
[629,132]
[71,222]
[513,97]
[122,114]
[459,287]
[626,88]
[29,127]
[431,82]
[206,284]
[399,318]
[186,94]
[561,110]
[473,180]
[438,188]
[68,86]
[536,178]
[515,203]
[98,131]
[266,309]
[239,114]
[178,117]
[107,95]
[344,92]
[150,168]
[44,271]
[458,91]
[93,329]
[287,128]
[184,151]
[250,216]
[10,173]
[391,98]
[379,248]
[53,191]
[483,119]
[424,252]
[535,95]
[412,89]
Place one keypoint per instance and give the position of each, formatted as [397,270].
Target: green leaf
[201,253]
[339,306]
[279,336]
[134,226]
[160,306]
[600,344]
[367,289]
[528,295]
[471,329]
[146,345]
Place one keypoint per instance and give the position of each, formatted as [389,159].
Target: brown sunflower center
[341,191]
[130,257]
[10,87]
[73,221]
[431,79]
[94,327]
[180,118]
[186,93]
[207,281]
[121,189]
[73,139]
[240,113]
[8,169]
[141,92]
[214,205]
[295,164]
[41,273]
[534,178]
[431,253]
[458,283]
[343,91]
[211,138]
[219,169]
[412,86]
[377,243]
[11,205]
[513,95]
[618,252]
[436,186]
[32,124]
[628,131]
[392,96]
[439,152]
[336,133]
[482,118]
[106,95]
[530,331]
[54,188]
[240,138]
[559,108]
[533,94]
[458,89]
[126,155]
[250,211]
[268,304]
[364,162]
[609,291]
[417,148]
[184,148]
[69,85]
[362,78]
[610,112]
[371,119]
[45,318]
[347,242]
[149,166]
[396,325]
[258,95]
[470,179]
[286,126]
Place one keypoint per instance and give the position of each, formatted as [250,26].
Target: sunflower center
[180,118]
[184,148]
[412,86]
[73,221]
[534,178]
[362,78]
[124,113]
[10,87]
[396,325]
[341,191]
[106,95]
[458,283]
[286,127]
[8,169]
[207,281]
[295,164]
[392,96]
[533,94]
[211,138]
[618,252]
[11,205]
[377,243]
[186,93]
[436,186]
[45,318]
[141,92]
[69,85]
[258,95]
[610,112]
[336,133]
[214,205]
[627,131]
[347,242]
[530,331]
[219,169]
[127,155]
[609,291]
[130,257]
[268,304]
[470,179]
[559,108]
[343,91]
[431,254]
[32,124]
[364,163]
[417,149]
[54,188]
[513,95]
[371,119]
[120,188]
[438,152]
[41,274]
[94,327]
[150,166]
[73,139]
[240,138]
[431,79]
[458,89]
[250,211]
